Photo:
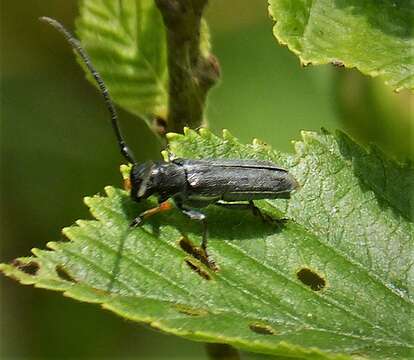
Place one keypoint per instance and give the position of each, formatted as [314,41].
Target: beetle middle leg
[199,216]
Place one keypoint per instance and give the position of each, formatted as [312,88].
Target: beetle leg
[234,206]
[256,212]
[164,206]
[247,206]
[266,218]
[198,215]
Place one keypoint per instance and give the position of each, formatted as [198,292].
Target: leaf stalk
[191,72]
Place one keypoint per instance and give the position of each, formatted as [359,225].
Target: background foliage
[54,128]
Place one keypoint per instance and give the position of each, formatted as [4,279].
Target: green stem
[191,73]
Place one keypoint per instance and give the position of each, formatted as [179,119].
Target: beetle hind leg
[254,209]
[265,217]
[257,212]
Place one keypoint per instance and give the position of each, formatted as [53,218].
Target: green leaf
[377,37]
[334,282]
[126,42]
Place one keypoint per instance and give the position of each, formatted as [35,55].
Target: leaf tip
[172,136]
[66,230]
[189,132]
[305,63]
[325,131]
[259,143]
[53,245]
[125,171]
[307,135]
[227,135]
[204,132]
[4,267]
[165,155]
[109,190]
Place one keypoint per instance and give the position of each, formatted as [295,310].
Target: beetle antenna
[76,45]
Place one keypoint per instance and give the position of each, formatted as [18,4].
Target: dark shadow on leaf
[64,274]
[131,210]
[392,183]
[117,264]
[394,17]
[223,224]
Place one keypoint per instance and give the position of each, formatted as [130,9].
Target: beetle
[192,184]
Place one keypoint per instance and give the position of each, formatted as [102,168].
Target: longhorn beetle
[192,184]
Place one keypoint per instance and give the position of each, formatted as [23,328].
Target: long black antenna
[75,43]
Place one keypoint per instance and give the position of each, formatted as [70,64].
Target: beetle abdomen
[236,180]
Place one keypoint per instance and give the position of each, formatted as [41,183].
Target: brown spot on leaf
[261,328]
[30,268]
[190,248]
[197,253]
[100,292]
[197,269]
[190,311]
[311,279]
[63,274]
[337,63]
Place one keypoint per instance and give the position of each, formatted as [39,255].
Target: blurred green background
[57,146]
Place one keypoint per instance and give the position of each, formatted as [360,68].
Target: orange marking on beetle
[127,184]
[165,206]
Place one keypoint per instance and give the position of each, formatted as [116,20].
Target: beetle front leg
[164,206]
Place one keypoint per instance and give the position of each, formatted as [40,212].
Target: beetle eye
[141,176]
[136,181]
[145,180]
